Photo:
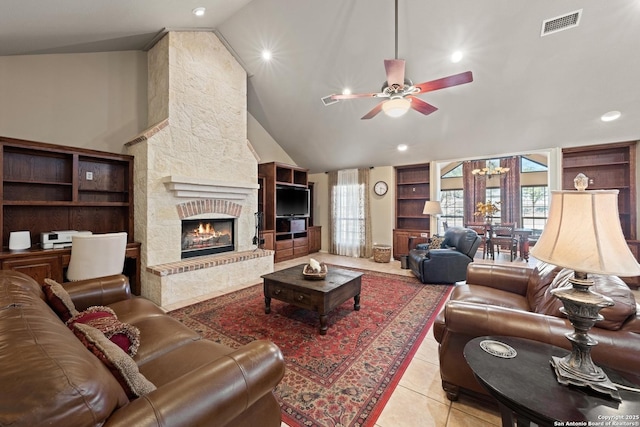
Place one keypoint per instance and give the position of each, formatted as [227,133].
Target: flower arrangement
[487,209]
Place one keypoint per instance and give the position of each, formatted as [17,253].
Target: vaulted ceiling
[529,92]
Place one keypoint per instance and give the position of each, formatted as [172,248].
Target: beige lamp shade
[583,233]
[432,207]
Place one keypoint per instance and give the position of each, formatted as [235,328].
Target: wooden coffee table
[321,296]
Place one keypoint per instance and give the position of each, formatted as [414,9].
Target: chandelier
[490,171]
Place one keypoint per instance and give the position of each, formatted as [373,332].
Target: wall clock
[380,188]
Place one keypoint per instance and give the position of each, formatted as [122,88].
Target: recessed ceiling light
[346,91]
[199,11]
[266,55]
[456,56]
[402,147]
[610,116]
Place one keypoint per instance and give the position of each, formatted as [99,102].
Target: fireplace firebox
[207,236]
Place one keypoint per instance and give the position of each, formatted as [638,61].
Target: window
[535,207]
[456,172]
[527,165]
[493,163]
[493,194]
[452,202]
[349,214]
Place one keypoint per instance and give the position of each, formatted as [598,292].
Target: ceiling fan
[401,91]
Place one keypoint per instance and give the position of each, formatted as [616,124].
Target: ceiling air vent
[328,101]
[561,23]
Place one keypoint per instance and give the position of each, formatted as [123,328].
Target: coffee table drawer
[304,300]
[279,293]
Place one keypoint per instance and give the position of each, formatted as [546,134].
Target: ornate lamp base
[597,381]
[581,306]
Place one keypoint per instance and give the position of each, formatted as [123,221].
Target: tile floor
[418,400]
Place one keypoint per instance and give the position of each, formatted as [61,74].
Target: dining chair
[96,255]
[504,237]
[485,243]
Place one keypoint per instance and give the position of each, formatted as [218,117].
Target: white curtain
[350,217]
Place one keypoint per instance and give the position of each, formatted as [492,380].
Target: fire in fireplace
[206,237]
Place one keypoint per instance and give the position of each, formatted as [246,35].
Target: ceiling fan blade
[373,112]
[454,80]
[354,96]
[420,106]
[395,72]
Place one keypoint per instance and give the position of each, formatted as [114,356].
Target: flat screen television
[292,202]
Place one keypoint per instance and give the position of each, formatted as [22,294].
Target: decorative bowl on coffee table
[310,274]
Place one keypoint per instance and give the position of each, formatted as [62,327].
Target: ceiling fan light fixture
[456,56]
[396,107]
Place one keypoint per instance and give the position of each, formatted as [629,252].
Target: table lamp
[583,233]
[432,207]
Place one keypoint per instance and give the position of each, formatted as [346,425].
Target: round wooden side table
[525,385]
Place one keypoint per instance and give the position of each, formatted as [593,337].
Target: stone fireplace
[195,164]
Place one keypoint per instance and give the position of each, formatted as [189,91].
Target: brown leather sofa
[506,300]
[48,377]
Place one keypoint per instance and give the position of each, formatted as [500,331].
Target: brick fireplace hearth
[195,163]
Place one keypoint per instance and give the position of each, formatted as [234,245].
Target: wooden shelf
[601,165]
[21,181]
[412,190]
[608,167]
[45,203]
[52,187]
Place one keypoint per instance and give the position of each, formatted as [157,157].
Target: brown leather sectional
[506,300]
[48,377]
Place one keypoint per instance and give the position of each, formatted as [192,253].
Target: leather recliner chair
[449,263]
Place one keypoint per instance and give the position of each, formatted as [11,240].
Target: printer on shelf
[59,239]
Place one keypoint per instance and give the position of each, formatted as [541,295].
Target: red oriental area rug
[343,378]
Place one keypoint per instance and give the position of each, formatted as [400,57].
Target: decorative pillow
[436,242]
[123,368]
[59,300]
[125,336]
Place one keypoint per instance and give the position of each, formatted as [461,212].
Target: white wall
[88,100]
[321,206]
[265,146]
[383,207]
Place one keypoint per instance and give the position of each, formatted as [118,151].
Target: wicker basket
[382,253]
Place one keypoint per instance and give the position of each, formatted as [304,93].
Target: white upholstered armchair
[97,255]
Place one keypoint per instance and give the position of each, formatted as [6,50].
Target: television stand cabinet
[290,235]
